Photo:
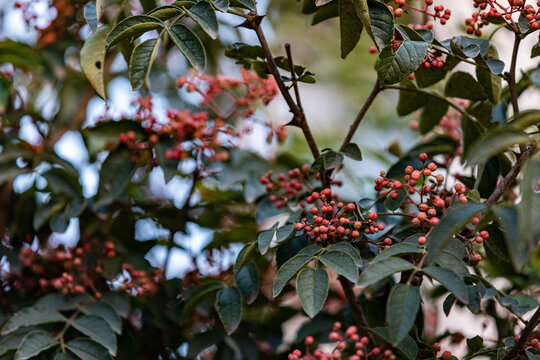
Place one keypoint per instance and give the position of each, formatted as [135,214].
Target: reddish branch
[524,337]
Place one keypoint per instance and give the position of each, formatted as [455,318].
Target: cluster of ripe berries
[433,61]
[330,221]
[286,186]
[349,345]
[439,11]
[76,270]
[497,11]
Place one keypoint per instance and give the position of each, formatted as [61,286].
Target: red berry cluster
[491,9]
[349,343]
[439,12]
[433,60]
[533,15]
[334,221]
[287,186]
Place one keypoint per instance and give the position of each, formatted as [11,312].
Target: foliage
[364,271]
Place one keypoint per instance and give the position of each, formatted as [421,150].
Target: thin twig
[293,75]
[524,337]
[511,176]
[374,92]
[512,76]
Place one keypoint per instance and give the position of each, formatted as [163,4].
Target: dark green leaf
[392,68]
[450,261]
[432,114]
[247,280]
[203,13]
[332,160]
[494,142]
[86,349]
[118,301]
[34,343]
[166,12]
[325,12]
[141,62]
[248,4]
[31,316]
[410,101]
[401,309]
[190,45]
[451,223]
[98,330]
[229,308]
[264,239]
[288,270]
[404,247]
[448,303]
[475,344]
[378,21]
[199,293]
[348,249]
[394,204]
[133,27]
[463,85]
[407,347]
[285,232]
[350,26]
[449,280]
[353,151]
[115,175]
[10,342]
[107,313]
[518,251]
[342,263]
[383,269]
[312,288]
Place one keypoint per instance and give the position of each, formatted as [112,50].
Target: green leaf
[350,26]
[312,288]
[244,256]
[86,349]
[432,114]
[107,313]
[332,160]
[401,248]
[31,316]
[195,297]
[348,249]
[288,270]
[90,15]
[407,347]
[528,224]
[450,261]
[450,224]
[449,280]
[410,101]
[247,280]
[378,21]
[222,5]
[401,309]
[141,62]
[98,330]
[518,251]
[59,302]
[34,343]
[352,151]
[19,55]
[166,12]
[325,12]
[115,174]
[93,59]
[382,269]
[264,239]
[203,13]
[342,263]
[491,84]
[448,304]
[190,45]
[463,85]
[285,232]
[118,301]
[133,27]
[392,68]
[316,166]
[10,342]
[248,4]
[394,204]
[475,344]
[229,308]
[494,142]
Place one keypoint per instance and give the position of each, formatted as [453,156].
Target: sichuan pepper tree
[363,270]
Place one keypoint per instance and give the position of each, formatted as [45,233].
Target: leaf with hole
[93,59]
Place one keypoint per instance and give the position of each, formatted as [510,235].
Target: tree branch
[299,117]
[511,176]
[512,75]
[356,309]
[374,92]
[293,76]
[524,337]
